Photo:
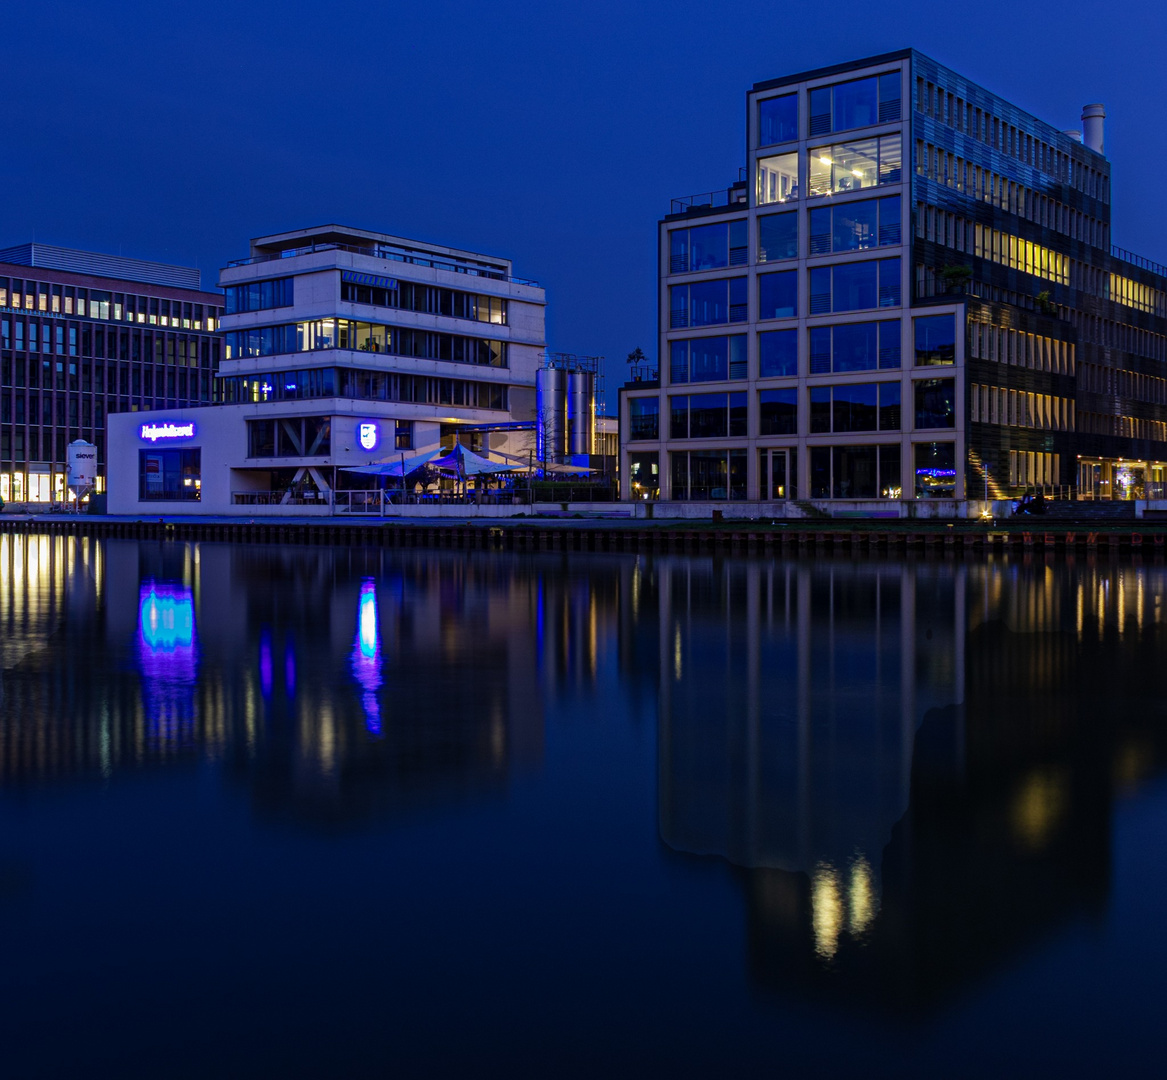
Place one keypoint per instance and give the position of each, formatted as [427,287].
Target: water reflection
[914,765]
[908,769]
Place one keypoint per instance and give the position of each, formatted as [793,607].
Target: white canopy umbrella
[394,468]
[467,463]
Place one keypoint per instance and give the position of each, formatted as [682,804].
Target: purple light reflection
[167,657]
[366,656]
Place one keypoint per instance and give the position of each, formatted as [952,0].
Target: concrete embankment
[639,537]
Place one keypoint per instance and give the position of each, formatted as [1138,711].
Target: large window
[170,475]
[364,337]
[708,247]
[778,411]
[777,119]
[290,436]
[855,407]
[257,295]
[855,103]
[707,416]
[643,418]
[853,166]
[709,474]
[855,226]
[935,403]
[855,286]
[935,470]
[777,354]
[935,340]
[708,303]
[865,346]
[778,236]
[778,295]
[713,359]
[855,472]
[377,291]
[777,179]
[360,384]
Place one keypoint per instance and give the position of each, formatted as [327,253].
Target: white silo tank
[81,466]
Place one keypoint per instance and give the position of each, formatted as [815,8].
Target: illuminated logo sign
[166,430]
[367,436]
[936,473]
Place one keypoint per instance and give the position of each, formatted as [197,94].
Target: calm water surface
[305,812]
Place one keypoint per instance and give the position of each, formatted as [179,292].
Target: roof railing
[390,254]
[1138,260]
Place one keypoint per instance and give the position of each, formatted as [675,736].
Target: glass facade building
[912,294]
[85,335]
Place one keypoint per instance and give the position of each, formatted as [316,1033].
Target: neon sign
[166,430]
[936,473]
[367,436]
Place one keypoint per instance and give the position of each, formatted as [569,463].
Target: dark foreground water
[301,812]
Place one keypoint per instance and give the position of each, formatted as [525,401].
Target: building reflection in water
[913,765]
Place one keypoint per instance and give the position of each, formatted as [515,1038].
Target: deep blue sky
[552,134]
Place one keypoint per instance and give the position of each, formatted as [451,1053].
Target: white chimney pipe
[1093,117]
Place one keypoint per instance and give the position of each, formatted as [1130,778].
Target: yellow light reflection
[861,898]
[1038,807]
[826,904]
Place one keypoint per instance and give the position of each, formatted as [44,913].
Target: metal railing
[1138,260]
[707,200]
[389,254]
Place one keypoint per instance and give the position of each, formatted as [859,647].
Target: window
[778,411]
[855,226]
[935,403]
[855,286]
[708,247]
[777,179]
[709,474]
[855,347]
[644,418]
[852,166]
[707,359]
[707,416]
[855,103]
[777,119]
[778,295]
[777,236]
[708,303]
[170,475]
[403,435]
[855,472]
[777,354]
[257,295]
[855,407]
[935,470]
[935,340]
[644,474]
[293,436]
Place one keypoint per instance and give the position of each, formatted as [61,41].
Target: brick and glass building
[913,294]
[84,336]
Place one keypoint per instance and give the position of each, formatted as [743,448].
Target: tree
[637,358]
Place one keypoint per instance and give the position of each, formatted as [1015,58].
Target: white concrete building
[342,347]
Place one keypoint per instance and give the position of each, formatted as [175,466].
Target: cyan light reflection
[366,656]
[167,657]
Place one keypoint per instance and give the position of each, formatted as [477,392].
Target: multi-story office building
[913,295]
[343,347]
[83,336]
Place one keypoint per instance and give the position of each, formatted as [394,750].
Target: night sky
[551,134]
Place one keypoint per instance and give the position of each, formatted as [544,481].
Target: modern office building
[343,347]
[913,296]
[84,336]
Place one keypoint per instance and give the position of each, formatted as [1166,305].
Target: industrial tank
[81,467]
[551,405]
[581,412]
